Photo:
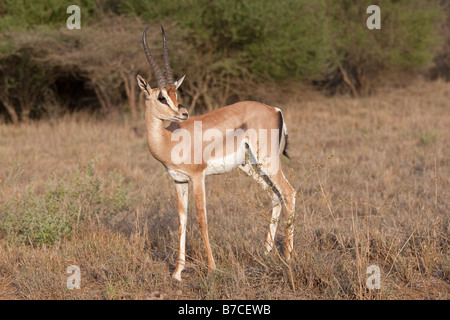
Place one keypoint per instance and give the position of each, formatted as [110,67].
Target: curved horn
[167,70]
[156,69]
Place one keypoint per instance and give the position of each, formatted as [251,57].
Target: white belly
[227,163]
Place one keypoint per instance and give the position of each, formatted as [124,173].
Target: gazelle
[247,135]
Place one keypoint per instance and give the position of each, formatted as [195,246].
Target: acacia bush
[407,41]
[441,61]
[100,61]
[230,50]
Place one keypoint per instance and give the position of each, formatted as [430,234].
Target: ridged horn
[166,61]
[156,69]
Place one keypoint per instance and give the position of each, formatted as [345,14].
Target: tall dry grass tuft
[372,176]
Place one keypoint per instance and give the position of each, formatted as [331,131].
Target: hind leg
[276,203]
[288,195]
[276,211]
[267,171]
[275,179]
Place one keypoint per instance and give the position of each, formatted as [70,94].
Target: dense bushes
[99,61]
[228,48]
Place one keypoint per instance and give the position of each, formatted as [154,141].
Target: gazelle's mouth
[181,119]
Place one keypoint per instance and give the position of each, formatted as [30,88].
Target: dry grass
[382,199]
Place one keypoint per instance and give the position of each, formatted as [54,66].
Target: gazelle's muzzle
[183,114]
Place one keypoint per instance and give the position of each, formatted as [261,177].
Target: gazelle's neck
[158,137]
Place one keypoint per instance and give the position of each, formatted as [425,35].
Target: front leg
[200,204]
[182,193]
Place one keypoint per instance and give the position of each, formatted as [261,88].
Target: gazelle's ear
[145,87]
[179,82]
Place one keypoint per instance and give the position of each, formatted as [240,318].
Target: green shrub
[407,41]
[23,14]
[64,207]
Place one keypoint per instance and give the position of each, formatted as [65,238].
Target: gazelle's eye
[162,99]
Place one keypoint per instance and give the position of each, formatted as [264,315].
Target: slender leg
[280,190]
[265,182]
[200,204]
[182,193]
[276,210]
[288,194]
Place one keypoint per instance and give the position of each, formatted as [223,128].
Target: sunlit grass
[382,199]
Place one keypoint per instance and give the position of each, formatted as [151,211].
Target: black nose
[180,106]
[185,114]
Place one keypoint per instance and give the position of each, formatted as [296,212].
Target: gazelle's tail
[283,134]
